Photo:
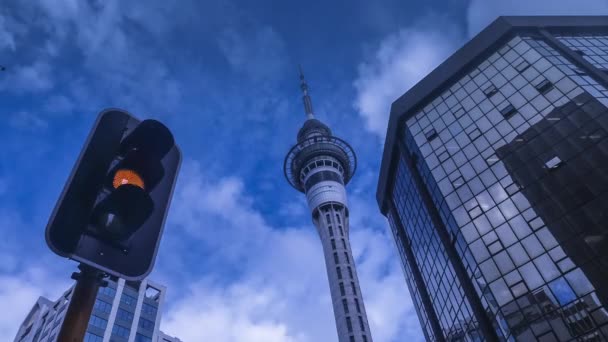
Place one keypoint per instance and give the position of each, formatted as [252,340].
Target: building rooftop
[481,46]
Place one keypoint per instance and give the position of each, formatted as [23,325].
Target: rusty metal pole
[79,311]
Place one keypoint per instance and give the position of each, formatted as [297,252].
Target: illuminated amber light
[125,176]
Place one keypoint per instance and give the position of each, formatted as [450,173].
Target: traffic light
[111,212]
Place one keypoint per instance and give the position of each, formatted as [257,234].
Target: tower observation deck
[320,165]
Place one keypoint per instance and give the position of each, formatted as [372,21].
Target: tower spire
[305,97]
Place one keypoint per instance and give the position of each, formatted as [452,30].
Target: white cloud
[27,121]
[400,61]
[278,289]
[258,53]
[35,77]
[19,296]
[236,313]
[121,65]
[405,57]
[59,104]
[7,39]
[481,13]
[388,303]
[25,273]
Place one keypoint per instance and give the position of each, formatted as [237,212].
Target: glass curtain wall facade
[123,312]
[499,198]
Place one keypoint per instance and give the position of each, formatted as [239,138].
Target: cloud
[276,286]
[7,39]
[258,53]
[25,276]
[402,59]
[19,292]
[107,58]
[388,304]
[35,77]
[399,62]
[59,104]
[227,262]
[236,313]
[27,121]
[481,13]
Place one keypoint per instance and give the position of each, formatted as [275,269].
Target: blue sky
[240,256]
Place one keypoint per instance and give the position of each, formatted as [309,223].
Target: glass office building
[495,182]
[124,311]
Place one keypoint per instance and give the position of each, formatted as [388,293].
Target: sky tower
[320,165]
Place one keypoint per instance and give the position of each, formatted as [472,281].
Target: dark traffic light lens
[121,213]
[112,224]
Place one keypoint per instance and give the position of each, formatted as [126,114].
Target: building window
[346,257]
[578,71]
[473,132]
[102,306]
[108,291]
[350,272]
[152,294]
[149,309]
[522,66]
[458,111]
[333,244]
[430,134]
[88,337]
[121,331]
[361,324]
[349,324]
[336,260]
[338,218]
[352,338]
[142,338]
[62,308]
[331,231]
[344,244]
[339,271]
[345,305]
[507,110]
[352,285]
[146,324]
[341,231]
[124,315]
[357,305]
[458,182]
[553,163]
[98,322]
[26,332]
[544,86]
[364,338]
[128,300]
[342,292]
[443,156]
[327,219]
[490,90]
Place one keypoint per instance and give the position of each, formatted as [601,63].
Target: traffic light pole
[79,311]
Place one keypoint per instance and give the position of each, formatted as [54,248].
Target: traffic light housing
[111,212]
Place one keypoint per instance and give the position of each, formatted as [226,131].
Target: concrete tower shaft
[320,165]
[331,220]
